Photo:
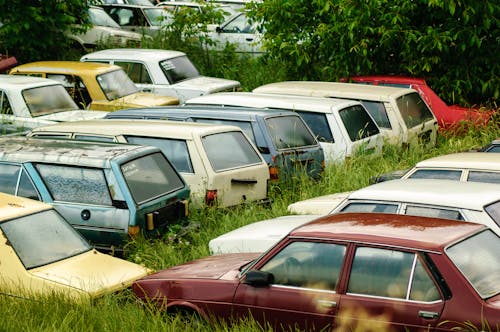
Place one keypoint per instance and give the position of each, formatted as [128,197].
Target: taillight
[273,173]
[133,231]
[211,197]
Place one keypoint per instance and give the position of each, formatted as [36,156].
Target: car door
[389,289]
[303,294]
[239,32]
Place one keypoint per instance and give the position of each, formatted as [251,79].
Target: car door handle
[244,181]
[327,304]
[146,90]
[428,314]
[249,39]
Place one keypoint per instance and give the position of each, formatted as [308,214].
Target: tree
[36,29]
[454,44]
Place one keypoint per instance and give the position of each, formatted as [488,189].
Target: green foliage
[452,43]
[35,30]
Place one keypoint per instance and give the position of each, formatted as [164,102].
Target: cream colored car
[401,113]
[218,162]
[41,254]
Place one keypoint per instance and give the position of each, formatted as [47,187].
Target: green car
[108,192]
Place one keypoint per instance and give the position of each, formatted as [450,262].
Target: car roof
[14,206]
[61,151]
[391,229]
[456,194]
[472,160]
[334,89]
[149,128]
[216,111]
[262,100]
[21,82]
[66,67]
[133,54]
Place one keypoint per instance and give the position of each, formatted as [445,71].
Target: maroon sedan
[348,271]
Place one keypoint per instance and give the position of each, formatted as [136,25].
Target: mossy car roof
[69,152]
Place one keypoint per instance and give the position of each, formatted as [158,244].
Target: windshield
[157,16]
[178,69]
[48,99]
[478,260]
[288,132]
[151,176]
[99,17]
[43,238]
[116,84]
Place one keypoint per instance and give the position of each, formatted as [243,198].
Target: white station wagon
[401,112]
[29,102]
[342,127]
[218,162]
[463,201]
[163,72]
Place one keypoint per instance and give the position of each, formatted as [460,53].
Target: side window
[358,122]
[319,125]
[9,175]
[482,176]
[75,87]
[371,207]
[244,125]
[422,286]
[307,264]
[26,187]
[136,71]
[4,104]
[378,112]
[175,150]
[436,174]
[380,272]
[75,184]
[94,138]
[425,211]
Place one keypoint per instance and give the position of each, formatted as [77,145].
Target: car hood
[92,272]
[318,205]
[211,267]
[208,84]
[75,115]
[145,99]
[258,236]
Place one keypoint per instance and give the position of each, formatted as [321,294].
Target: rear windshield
[48,99]
[230,150]
[116,84]
[43,238]
[478,260]
[413,110]
[178,69]
[358,122]
[443,174]
[151,176]
[288,132]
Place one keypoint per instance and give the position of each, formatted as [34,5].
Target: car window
[176,150]
[358,122]
[493,211]
[158,16]
[426,211]
[319,125]
[478,260]
[390,273]
[307,264]
[378,112]
[239,24]
[75,184]
[244,125]
[9,174]
[288,132]
[443,174]
[151,176]
[371,207]
[75,88]
[483,176]
[26,187]
[137,72]
[94,138]
[241,153]
[48,99]
[178,69]
[43,238]
[493,148]
[97,16]
[413,109]
[395,85]
[116,84]
[5,107]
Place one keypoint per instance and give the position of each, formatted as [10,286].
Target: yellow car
[42,254]
[95,86]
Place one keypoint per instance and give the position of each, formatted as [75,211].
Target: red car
[349,271]
[447,116]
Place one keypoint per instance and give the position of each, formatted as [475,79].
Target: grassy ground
[120,312]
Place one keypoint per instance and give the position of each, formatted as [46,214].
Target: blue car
[285,141]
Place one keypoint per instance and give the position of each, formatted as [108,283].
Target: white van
[401,112]
[198,151]
[341,126]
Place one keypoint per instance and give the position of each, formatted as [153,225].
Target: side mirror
[258,278]
[218,29]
